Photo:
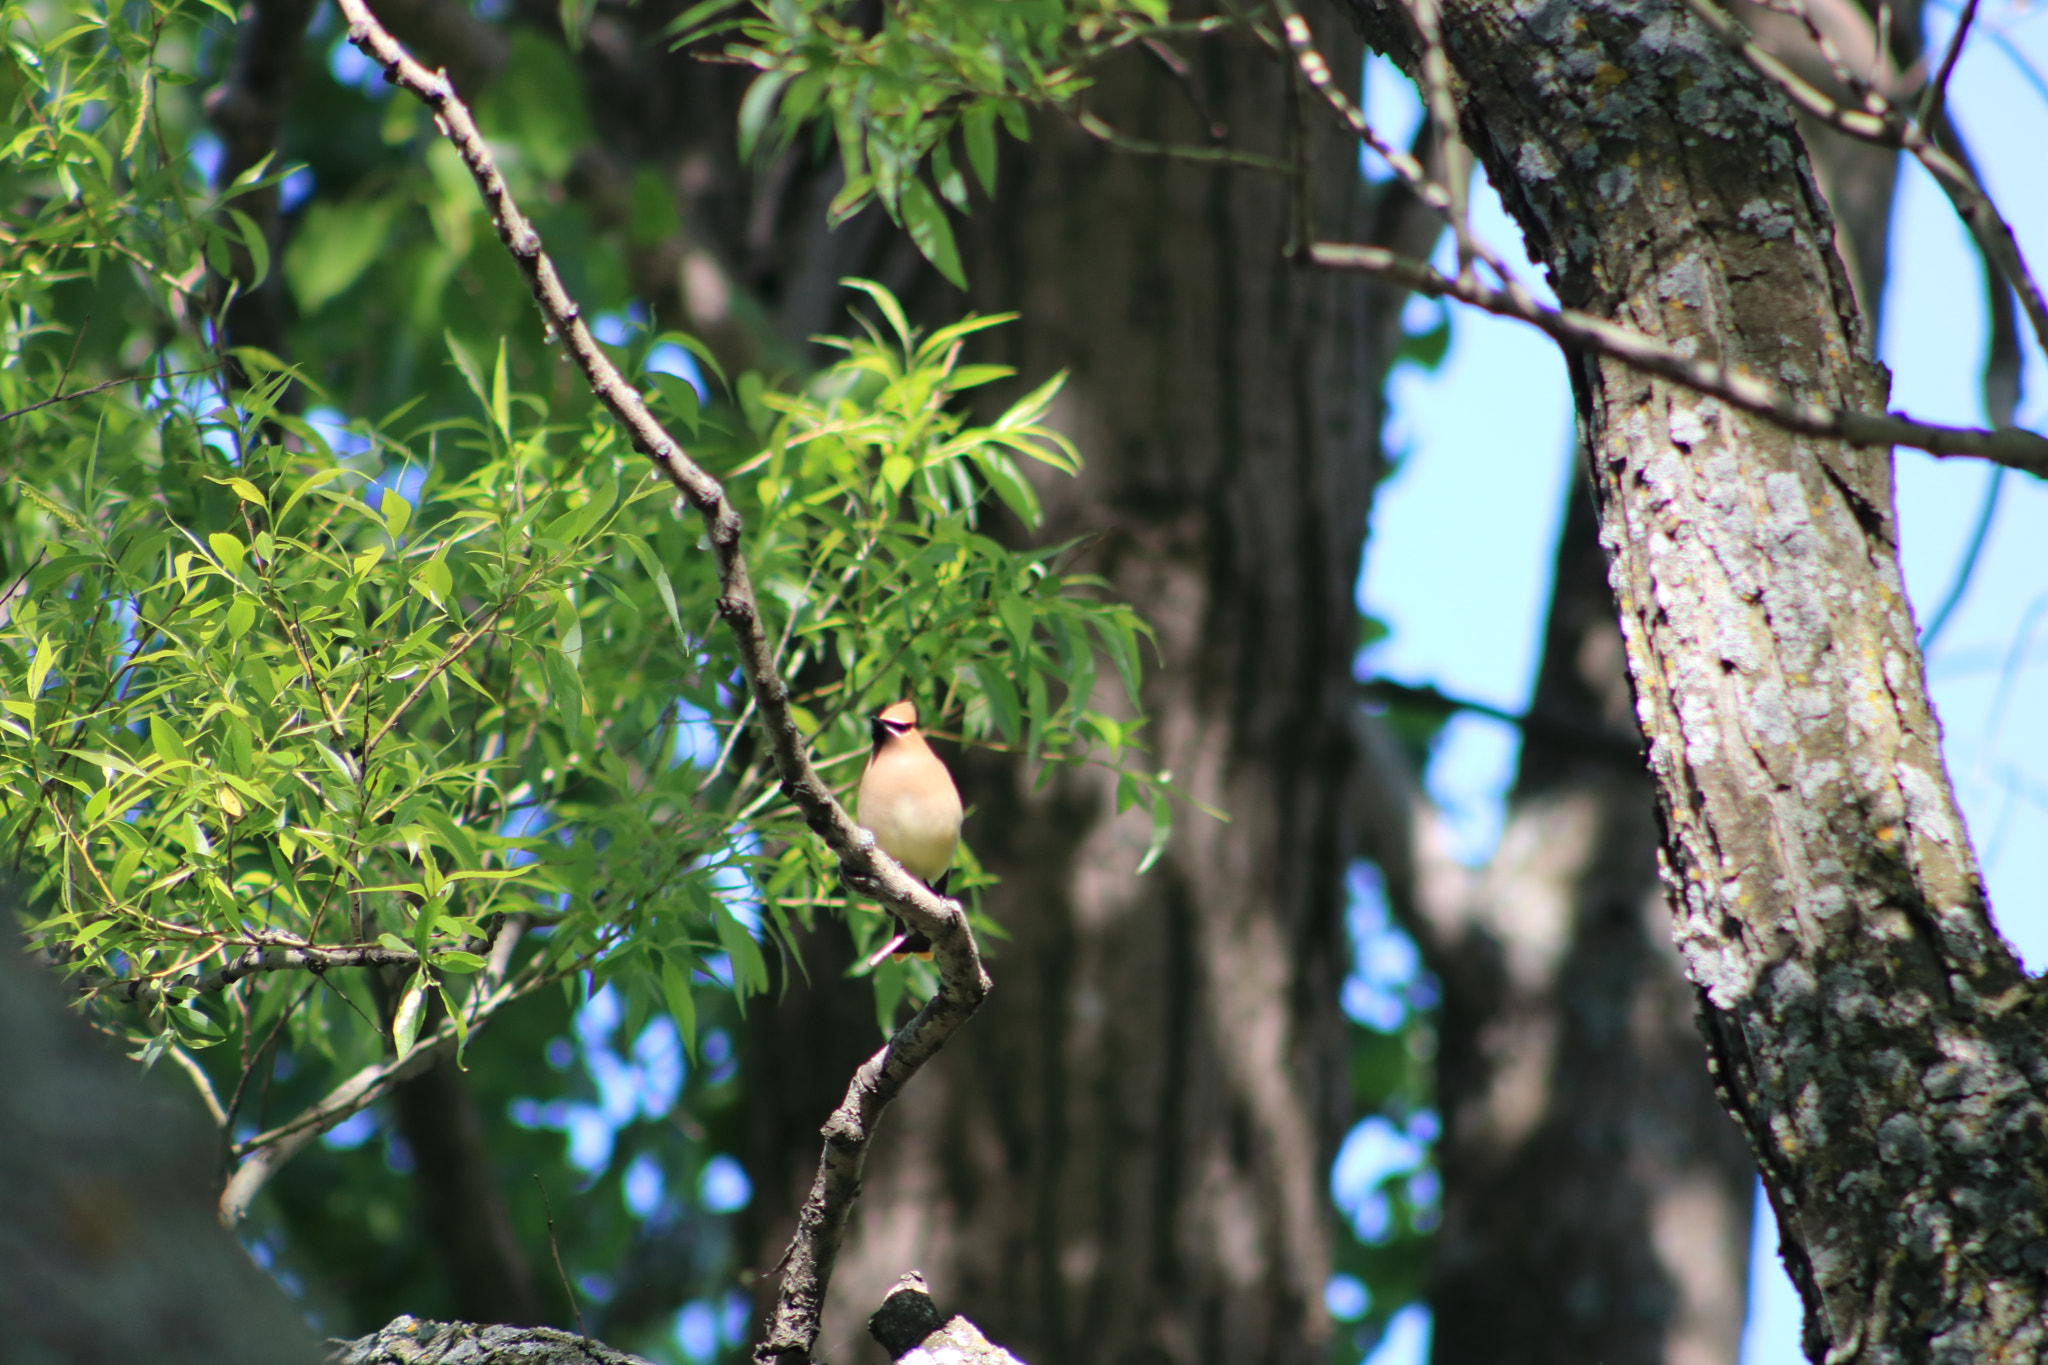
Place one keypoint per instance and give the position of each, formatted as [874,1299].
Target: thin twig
[200,1082]
[1180,151]
[1936,93]
[548,1209]
[2014,446]
[1966,568]
[1451,154]
[102,388]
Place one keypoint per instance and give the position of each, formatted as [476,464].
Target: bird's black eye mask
[887,729]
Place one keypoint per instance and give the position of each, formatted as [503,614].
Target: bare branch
[1451,154]
[864,868]
[2013,446]
[1229,156]
[1937,89]
[266,1153]
[102,388]
[197,1075]
[821,1223]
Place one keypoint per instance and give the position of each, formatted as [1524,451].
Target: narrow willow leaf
[405,1024]
[925,220]
[682,1006]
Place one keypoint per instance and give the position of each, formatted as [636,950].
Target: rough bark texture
[1874,1036]
[1596,1199]
[1125,1158]
[407,1340]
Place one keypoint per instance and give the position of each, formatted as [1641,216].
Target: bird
[908,800]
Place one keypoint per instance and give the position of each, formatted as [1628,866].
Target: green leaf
[455,1014]
[1002,695]
[249,492]
[228,549]
[682,1006]
[453,837]
[678,397]
[333,246]
[412,1008]
[257,245]
[706,360]
[169,746]
[501,396]
[886,301]
[757,109]
[749,968]
[890,979]
[435,581]
[40,666]
[241,615]
[467,364]
[926,222]
[978,131]
[1009,485]
[396,510]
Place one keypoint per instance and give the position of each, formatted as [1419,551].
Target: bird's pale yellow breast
[908,799]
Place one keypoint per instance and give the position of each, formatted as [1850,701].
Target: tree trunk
[1876,1039]
[1125,1157]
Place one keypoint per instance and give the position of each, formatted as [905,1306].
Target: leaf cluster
[896,86]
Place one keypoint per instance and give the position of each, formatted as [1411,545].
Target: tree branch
[2013,446]
[259,958]
[407,1340]
[266,1153]
[864,868]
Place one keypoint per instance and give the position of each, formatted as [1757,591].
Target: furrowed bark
[1873,1035]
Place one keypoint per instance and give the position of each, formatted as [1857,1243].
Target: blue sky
[1458,564]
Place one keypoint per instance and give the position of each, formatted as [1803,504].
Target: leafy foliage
[398,651]
[894,85]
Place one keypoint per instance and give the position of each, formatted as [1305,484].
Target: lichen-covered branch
[407,1340]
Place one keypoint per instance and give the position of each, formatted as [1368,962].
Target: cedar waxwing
[907,798]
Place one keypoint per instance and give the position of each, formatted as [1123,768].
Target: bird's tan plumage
[907,798]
